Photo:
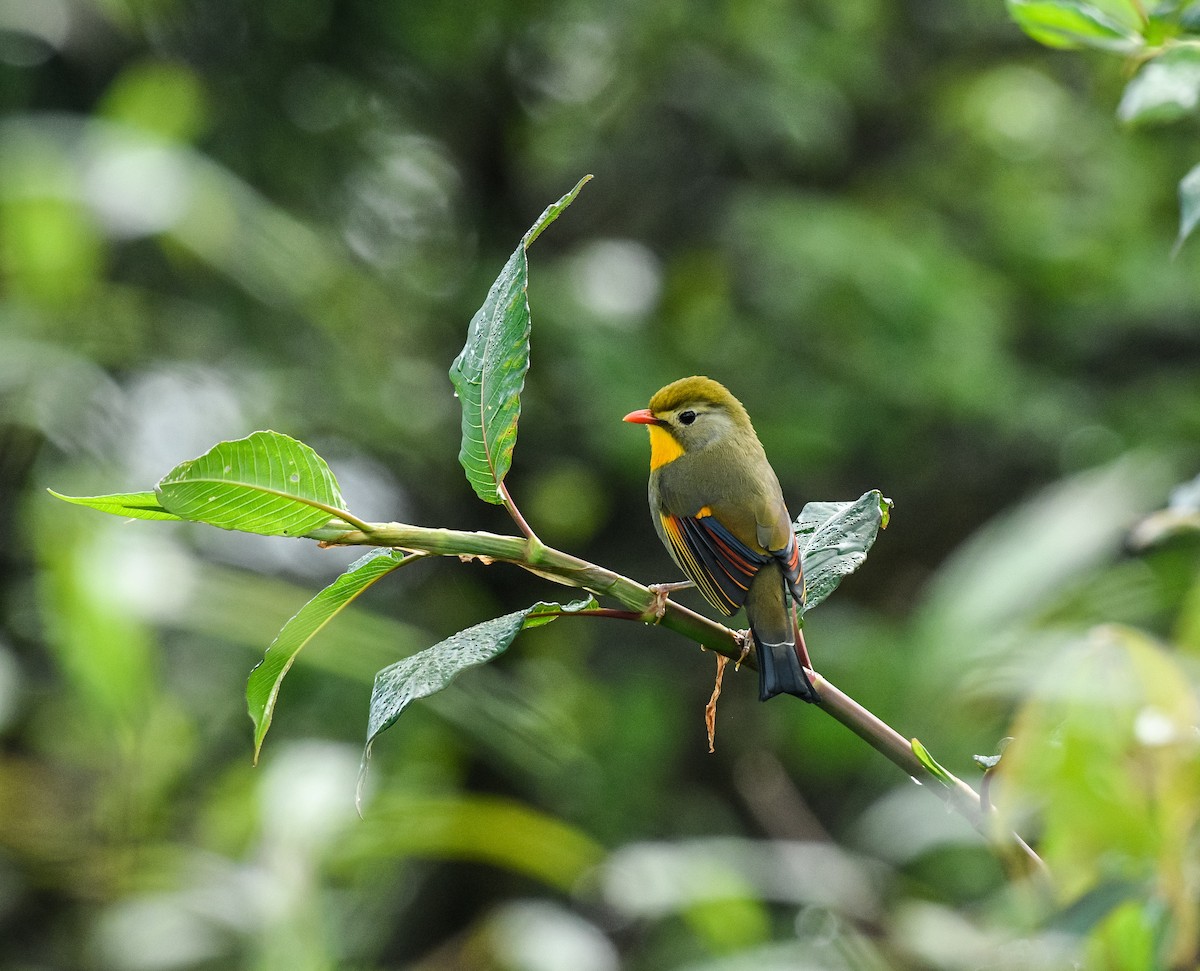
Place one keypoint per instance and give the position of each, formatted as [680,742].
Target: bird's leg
[745,641]
[801,647]
[662,592]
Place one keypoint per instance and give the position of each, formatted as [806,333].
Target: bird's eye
[687,417]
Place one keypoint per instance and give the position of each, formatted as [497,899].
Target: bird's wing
[776,535]
[789,558]
[720,564]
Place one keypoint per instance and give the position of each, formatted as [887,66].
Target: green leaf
[834,538]
[1182,515]
[1111,26]
[1166,89]
[936,769]
[1104,753]
[262,688]
[489,373]
[486,829]
[132,505]
[1085,912]
[989,762]
[552,212]
[1189,206]
[266,483]
[429,671]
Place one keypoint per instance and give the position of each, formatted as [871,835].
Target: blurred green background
[920,249]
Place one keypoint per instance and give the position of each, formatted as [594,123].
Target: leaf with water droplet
[429,671]
[834,538]
[266,483]
[489,373]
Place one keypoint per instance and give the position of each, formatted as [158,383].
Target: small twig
[513,511]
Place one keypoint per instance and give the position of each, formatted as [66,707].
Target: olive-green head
[694,412]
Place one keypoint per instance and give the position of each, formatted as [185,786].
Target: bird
[718,508]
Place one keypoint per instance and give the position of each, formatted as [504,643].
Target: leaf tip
[261,724]
[361,784]
[552,212]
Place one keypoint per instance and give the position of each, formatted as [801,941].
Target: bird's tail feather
[780,671]
[776,638]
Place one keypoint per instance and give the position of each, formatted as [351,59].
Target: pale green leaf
[1189,205]
[1165,89]
[1071,23]
[1104,752]
[131,505]
[935,768]
[266,483]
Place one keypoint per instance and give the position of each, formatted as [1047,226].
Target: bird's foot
[662,593]
[745,642]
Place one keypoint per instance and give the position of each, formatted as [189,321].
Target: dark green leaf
[834,539]
[1085,912]
[489,373]
[429,671]
[132,505]
[1113,26]
[262,688]
[1165,89]
[266,483]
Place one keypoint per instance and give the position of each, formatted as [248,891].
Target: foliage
[921,247]
[1163,42]
[272,485]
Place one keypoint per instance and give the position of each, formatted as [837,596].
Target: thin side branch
[513,511]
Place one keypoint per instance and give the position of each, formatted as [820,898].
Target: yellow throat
[663,447]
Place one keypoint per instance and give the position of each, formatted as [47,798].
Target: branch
[641,601]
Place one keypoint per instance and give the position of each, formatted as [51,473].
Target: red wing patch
[720,564]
